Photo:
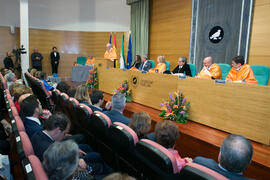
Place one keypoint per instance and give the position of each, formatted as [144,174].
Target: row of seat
[120,146]
[31,164]
[261,72]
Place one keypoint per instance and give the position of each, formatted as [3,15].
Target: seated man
[55,129]
[97,100]
[182,67]
[234,157]
[31,111]
[61,160]
[241,71]
[145,65]
[210,70]
[118,106]
[43,76]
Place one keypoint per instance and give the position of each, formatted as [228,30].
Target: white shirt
[34,119]
[54,54]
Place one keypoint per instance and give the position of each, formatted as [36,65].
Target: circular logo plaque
[216,34]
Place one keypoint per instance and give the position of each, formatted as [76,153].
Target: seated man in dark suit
[145,65]
[30,111]
[55,129]
[118,106]
[182,67]
[97,101]
[234,157]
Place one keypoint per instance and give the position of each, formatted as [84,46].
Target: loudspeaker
[12,30]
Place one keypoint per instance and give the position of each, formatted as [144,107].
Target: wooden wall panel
[169,29]
[71,44]
[259,42]
[7,43]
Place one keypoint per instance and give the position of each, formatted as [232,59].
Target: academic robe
[110,54]
[214,70]
[245,73]
[160,68]
[90,61]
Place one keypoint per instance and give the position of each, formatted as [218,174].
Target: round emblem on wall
[134,81]
[216,34]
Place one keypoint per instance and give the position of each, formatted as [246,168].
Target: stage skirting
[233,108]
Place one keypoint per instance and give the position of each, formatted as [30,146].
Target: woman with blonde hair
[161,66]
[82,95]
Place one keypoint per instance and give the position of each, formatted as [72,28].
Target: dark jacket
[40,142]
[185,69]
[116,116]
[55,58]
[36,63]
[8,63]
[31,127]
[210,163]
[146,67]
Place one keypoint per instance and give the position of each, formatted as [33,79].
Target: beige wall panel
[7,43]
[71,44]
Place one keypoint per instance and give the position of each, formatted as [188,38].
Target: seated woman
[43,76]
[166,134]
[141,123]
[82,95]
[161,66]
[137,63]
[182,67]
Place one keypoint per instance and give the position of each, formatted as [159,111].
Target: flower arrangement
[176,108]
[92,81]
[124,89]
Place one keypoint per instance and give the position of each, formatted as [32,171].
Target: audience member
[18,91]
[12,79]
[119,176]
[63,87]
[36,58]
[55,129]
[97,100]
[210,70]
[8,62]
[166,134]
[71,91]
[61,160]
[4,71]
[241,71]
[182,67]
[82,95]
[55,58]
[145,65]
[37,74]
[161,66]
[234,157]
[118,106]
[30,111]
[140,123]
[33,72]
[43,76]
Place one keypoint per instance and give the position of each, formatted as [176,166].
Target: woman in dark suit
[182,67]
[55,57]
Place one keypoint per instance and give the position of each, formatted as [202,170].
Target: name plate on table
[218,81]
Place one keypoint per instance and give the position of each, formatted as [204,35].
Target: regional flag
[122,55]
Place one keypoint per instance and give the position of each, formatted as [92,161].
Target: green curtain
[139,26]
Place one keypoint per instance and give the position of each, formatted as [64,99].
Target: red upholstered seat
[19,123]
[105,117]
[26,143]
[129,130]
[37,168]
[197,171]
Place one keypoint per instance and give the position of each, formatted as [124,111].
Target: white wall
[74,15]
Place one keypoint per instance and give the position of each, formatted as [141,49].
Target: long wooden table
[233,108]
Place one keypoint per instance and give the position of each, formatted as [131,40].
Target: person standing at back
[55,57]
[36,58]
[8,61]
